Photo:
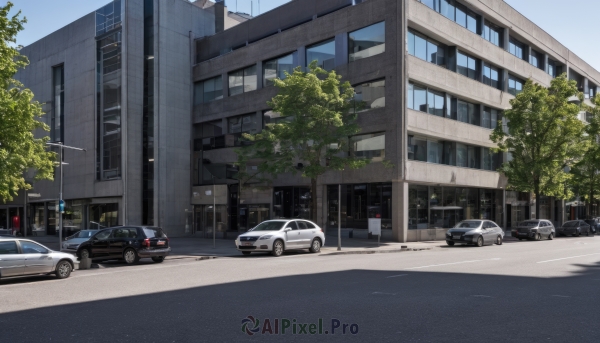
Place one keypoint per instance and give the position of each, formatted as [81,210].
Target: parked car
[71,243]
[594,225]
[575,228]
[276,236]
[534,229]
[477,232]
[20,257]
[128,243]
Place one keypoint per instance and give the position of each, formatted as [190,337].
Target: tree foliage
[19,149]
[311,138]
[586,172]
[544,136]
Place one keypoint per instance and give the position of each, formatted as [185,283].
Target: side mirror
[287,229]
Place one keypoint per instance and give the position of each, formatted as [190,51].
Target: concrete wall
[177,22]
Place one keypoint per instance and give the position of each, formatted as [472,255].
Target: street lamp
[60,193]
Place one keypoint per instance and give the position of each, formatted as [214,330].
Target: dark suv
[128,243]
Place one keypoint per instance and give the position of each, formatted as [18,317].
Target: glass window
[276,68]
[492,33]
[474,156]
[369,95]
[208,90]
[243,80]
[466,65]
[472,21]
[418,207]
[212,129]
[461,155]
[490,118]
[323,53]
[489,159]
[515,85]
[491,76]
[551,68]
[371,146]
[431,3]
[32,248]
[462,111]
[436,103]
[417,149]
[435,151]
[8,248]
[449,153]
[447,9]
[246,123]
[57,114]
[426,49]
[417,97]
[474,115]
[515,47]
[366,42]
[536,59]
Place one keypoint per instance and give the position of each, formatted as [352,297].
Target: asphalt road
[520,291]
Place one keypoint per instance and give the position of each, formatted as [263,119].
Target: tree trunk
[537,205]
[589,214]
[313,200]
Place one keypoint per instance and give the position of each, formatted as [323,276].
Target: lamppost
[60,193]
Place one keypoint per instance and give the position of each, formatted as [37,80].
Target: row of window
[489,31]
[421,98]
[362,43]
[452,153]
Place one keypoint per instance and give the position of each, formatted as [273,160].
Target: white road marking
[566,258]
[450,264]
[387,277]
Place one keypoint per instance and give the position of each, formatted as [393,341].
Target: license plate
[160,243]
[522,234]
[246,243]
[456,237]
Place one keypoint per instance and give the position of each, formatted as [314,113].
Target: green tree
[312,136]
[544,136]
[19,149]
[586,172]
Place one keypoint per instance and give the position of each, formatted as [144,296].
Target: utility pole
[60,193]
[339,217]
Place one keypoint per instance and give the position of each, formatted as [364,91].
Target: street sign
[34,195]
[61,206]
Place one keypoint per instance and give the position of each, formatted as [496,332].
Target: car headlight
[265,237]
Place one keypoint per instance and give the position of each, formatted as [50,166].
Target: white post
[60,199]
[214,215]
[339,217]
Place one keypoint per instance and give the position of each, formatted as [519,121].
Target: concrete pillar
[302,57]
[399,211]
[506,38]
[451,58]
[546,63]
[480,64]
[341,49]
[526,52]
[504,80]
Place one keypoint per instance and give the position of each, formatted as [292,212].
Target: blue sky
[572,25]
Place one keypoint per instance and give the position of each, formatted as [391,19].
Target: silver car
[71,243]
[276,236]
[20,257]
[477,232]
[534,229]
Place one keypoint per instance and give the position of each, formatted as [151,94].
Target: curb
[358,252]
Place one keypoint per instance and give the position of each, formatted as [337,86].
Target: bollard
[85,263]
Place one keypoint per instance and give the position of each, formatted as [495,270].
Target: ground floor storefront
[42,218]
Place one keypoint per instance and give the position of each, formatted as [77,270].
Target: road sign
[34,195]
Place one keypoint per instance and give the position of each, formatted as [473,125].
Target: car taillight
[147,242]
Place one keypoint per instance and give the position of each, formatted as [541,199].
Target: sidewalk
[202,248]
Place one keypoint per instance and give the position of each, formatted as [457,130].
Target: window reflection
[323,53]
[366,42]
[369,96]
[276,68]
[370,146]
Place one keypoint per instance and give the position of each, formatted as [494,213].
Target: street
[520,291]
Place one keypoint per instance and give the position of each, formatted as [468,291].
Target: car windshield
[571,224]
[591,221]
[270,226]
[472,224]
[529,223]
[85,233]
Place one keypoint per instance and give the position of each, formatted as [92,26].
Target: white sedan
[278,235]
[20,257]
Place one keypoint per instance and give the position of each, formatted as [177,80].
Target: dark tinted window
[292,225]
[466,65]
[104,234]
[301,225]
[7,248]
[32,248]
[571,224]
[154,233]
[591,222]
[310,225]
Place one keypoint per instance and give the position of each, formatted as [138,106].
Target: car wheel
[315,246]
[130,256]
[158,259]
[587,233]
[499,240]
[551,236]
[84,254]
[277,248]
[479,241]
[520,239]
[63,269]
[578,233]
[538,237]
[246,252]
[450,243]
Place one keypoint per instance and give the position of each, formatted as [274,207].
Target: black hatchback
[128,243]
